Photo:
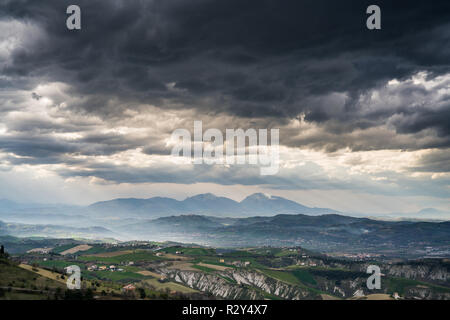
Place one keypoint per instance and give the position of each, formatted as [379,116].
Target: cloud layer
[102,102]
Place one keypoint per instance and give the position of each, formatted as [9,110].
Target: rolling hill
[329,232]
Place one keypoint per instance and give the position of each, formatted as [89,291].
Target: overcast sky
[364,116]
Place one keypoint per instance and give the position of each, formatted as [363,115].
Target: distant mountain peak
[203,196]
[429,211]
[259,196]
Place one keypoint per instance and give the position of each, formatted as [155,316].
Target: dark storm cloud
[437,161]
[26,146]
[368,140]
[264,63]
[46,149]
[247,58]
[423,119]
[38,126]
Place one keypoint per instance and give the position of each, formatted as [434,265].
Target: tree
[142,293]
[2,250]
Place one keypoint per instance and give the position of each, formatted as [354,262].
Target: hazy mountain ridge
[331,232]
[208,204]
[258,220]
[257,204]
[47,230]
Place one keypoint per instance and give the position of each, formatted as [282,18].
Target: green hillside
[17,283]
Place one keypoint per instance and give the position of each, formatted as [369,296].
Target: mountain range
[205,204]
[257,220]
[257,204]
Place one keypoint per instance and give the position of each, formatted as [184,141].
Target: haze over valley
[257,220]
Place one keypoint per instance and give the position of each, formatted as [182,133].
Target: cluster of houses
[307,262]
[40,250]
[111,268]
[360,256]
[236,263]
[128,244]
[160,253]
[129,288]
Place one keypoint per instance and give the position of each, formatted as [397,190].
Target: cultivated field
[168,285]
[213,266]
[149,273]
[182,265]
[111,254]
[81,247]
[45,273]
[175,256]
